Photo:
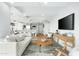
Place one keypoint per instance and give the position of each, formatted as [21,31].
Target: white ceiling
[42,11]
[39,9]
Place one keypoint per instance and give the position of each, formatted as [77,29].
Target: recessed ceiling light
[12,2]
[45,2]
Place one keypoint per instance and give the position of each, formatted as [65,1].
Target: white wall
[53,26]
[4,20]
[46,28]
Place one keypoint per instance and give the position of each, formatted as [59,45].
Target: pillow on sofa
[11,38]
[19,37]
[15,38]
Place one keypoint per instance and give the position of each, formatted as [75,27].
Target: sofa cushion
[16,38]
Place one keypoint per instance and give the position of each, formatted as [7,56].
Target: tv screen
[66,23]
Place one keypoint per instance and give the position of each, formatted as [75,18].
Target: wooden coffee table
[42,43]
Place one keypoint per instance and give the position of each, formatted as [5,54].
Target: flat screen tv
[66,23]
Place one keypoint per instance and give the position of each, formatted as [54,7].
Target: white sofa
[14,48]
[22,45]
